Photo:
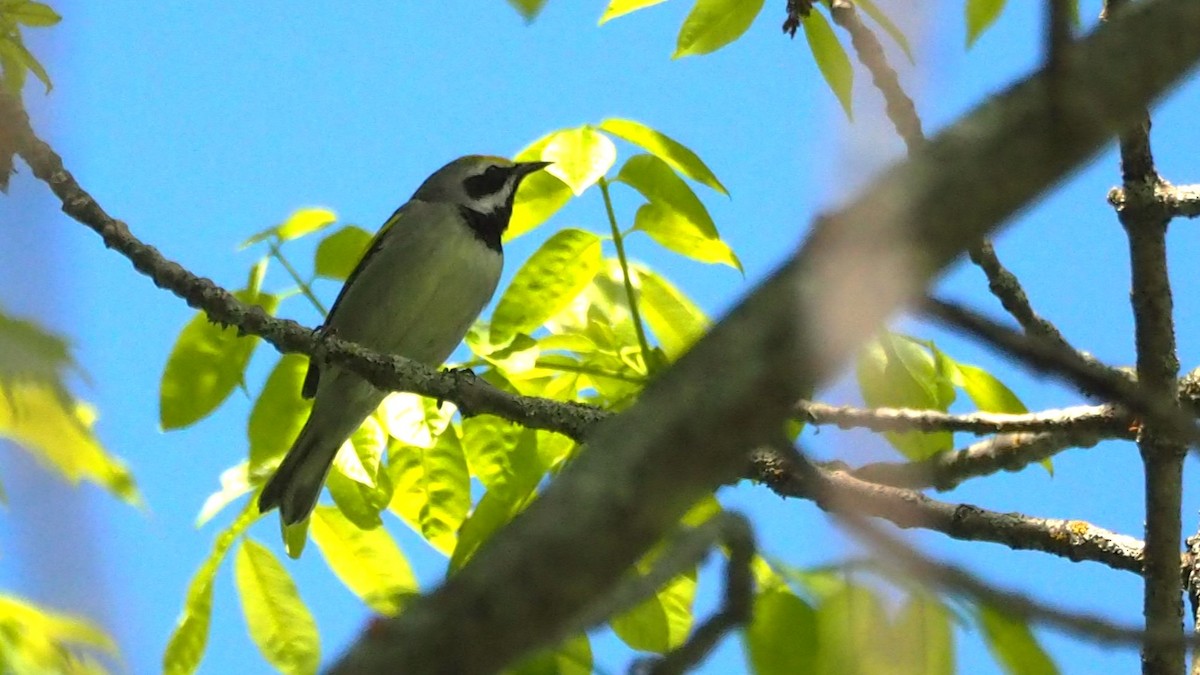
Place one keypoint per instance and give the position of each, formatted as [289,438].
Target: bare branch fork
[645,467]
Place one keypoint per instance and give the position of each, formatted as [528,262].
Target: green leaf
[661,622]
[279,412]
[674,318]
[678,156]
[17,60]
[280,624]
[491,513]
[528,9]
[675,232]
[432,488]
[782,638]
[1012,643]
[30,13]
[368,561]
[208,361]
[540,194]
[831,58]
[923,637]
[58,431]
[339,253]
[572,657]
[622,7]
[358,484]
[988,393]
[872,10]
[712,24]
[503,456]
[562,267]
[980,15]
[506,459]
[235,482]
[895,371]
[39,413]
[37,640]
[659,184]
[853,633]
[188,640]
[581,157]
[413,419]
[300,223]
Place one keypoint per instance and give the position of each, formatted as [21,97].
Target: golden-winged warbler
[423,281]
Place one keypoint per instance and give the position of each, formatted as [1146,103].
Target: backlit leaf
[712,24]
[872,10]
[581,157]
[675,232]
[528,9]
[831,59]
[674,318]
[988,393]
[573,657]
[980,15]
[207,361]
[1012,644]
[539,196]
[279,412]
[57,431]
[339,253]
[895,371]
[30,13]
[622,7]
[431,488]
[659,184]
[661,622]
[782,638]
[279,622]
[300,223]
[923,638]
[678,156]
[562,267]
[368,561]
[186,646]
[235,482]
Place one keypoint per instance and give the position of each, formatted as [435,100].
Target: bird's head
[481,183]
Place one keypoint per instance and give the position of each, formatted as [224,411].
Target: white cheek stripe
[491,203]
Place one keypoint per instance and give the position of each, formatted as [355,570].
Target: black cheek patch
[489,182]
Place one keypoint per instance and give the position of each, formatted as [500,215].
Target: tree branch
[1145,220]
[645,467]
[1093,418]
[1009,452]
[841,492]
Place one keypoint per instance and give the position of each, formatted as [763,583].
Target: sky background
[201,123]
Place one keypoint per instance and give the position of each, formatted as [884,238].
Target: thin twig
[1102,382]
[1008,452]
[1145,218]
[978,423]
[783,470]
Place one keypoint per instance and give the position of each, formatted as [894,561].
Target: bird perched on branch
[427,275]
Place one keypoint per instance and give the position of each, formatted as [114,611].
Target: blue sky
[201,123]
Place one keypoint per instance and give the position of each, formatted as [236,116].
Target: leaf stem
[619,242]
[304,287]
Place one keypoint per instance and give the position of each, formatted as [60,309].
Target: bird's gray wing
[313,376]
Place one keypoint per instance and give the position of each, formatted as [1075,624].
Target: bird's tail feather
[297,482]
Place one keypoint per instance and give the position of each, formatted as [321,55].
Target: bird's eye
[491,181]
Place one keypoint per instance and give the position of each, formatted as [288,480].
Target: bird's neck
[488,227]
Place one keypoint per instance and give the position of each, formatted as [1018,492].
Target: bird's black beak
[523,169]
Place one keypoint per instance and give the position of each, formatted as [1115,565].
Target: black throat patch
[488,226]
